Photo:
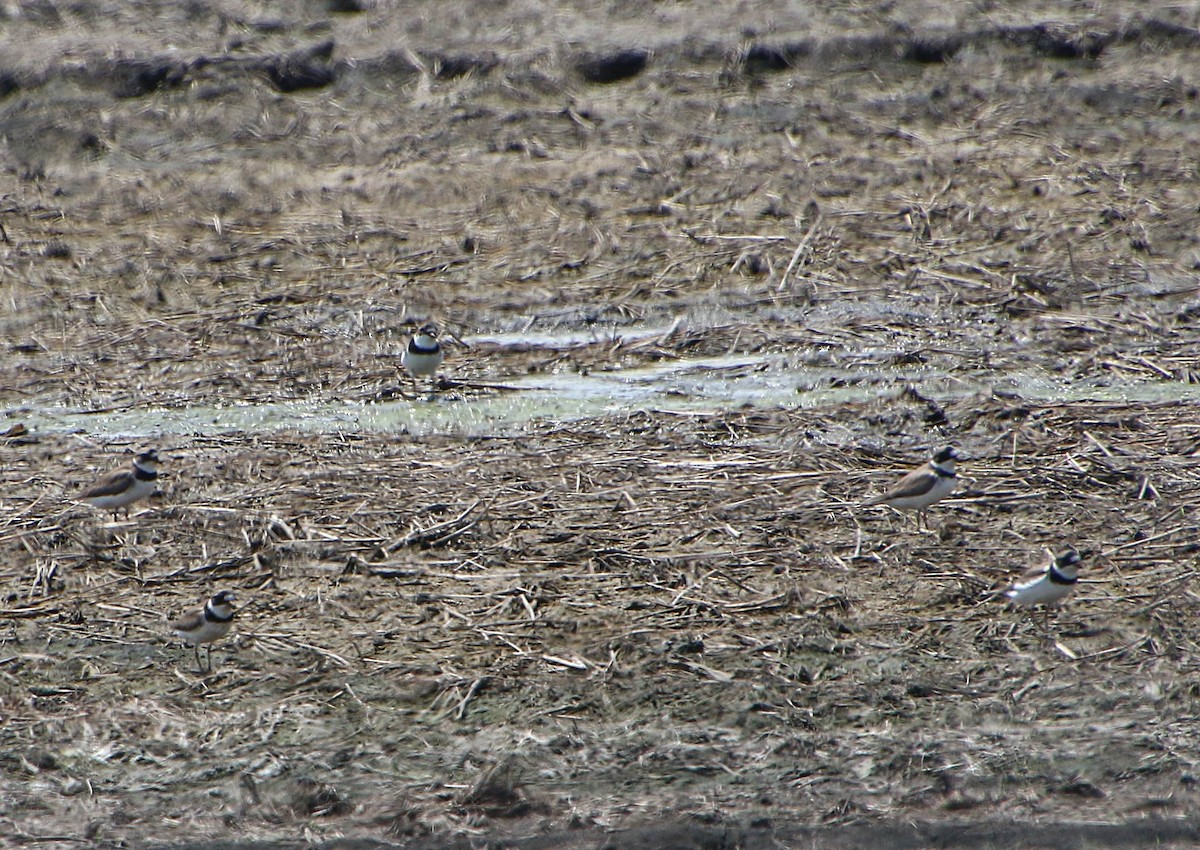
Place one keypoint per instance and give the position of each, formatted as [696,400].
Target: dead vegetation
[169,235]
[631,619]
[497,632]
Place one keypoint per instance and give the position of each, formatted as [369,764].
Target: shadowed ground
[992,836]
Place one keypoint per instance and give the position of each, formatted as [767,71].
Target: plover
[122,487]
[207,624]
[423,356]
[930,482]
[1047,585]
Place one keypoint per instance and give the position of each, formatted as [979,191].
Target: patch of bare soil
[652,627]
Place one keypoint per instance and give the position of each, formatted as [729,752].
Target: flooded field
[708,278]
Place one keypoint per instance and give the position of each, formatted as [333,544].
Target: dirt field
[673,628]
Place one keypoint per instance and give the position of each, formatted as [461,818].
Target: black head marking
[945,455]
[1067,557]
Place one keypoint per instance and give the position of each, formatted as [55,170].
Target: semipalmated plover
[122,487]
[207,624]
[1047,585]
[423,356]
[930,482]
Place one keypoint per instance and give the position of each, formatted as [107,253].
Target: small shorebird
[930,482]
[207,624]
[1048,585]
[122,487]
[423,356]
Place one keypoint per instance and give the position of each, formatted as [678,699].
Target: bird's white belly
[207,633]
[941,488]
[1041,591]
[422,365]
[139,490]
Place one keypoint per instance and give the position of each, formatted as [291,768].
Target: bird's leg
[1042,621]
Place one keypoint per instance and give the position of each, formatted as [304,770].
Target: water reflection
[695,385]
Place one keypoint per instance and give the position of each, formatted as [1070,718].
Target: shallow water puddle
[695,385]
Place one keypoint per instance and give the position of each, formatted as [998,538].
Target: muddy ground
[652,627]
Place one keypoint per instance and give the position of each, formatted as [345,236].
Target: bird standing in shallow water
[122,487]
[423,356]
[208,624]
[930,482]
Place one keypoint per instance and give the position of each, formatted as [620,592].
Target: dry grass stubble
[620,620]
[643,617]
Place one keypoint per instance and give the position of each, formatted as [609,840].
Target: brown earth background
[650,627]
